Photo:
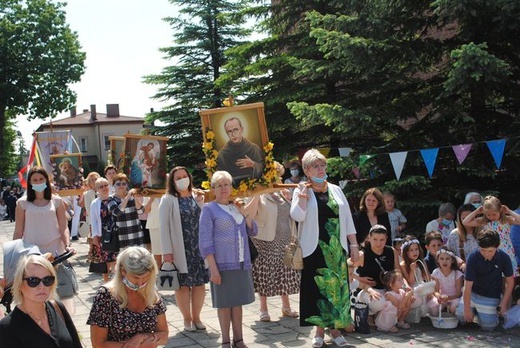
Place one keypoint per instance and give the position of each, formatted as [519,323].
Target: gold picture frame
[67,173]
[231,134]
[145,163]
[117,152]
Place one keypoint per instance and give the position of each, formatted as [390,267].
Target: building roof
[85,118]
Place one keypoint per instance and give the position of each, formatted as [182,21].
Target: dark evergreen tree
[202,32]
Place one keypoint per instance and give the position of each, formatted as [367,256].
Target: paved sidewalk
[281,332]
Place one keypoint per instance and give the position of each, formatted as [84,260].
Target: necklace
[39,320]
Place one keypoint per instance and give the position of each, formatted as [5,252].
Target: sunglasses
[102,186]
[121,183]
[35,281]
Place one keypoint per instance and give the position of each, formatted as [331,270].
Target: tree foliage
[388,76]
[202,32]
[39,57]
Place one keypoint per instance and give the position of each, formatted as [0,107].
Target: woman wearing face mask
[324,213]
[296,176]
[179,213]
[128,310]
[444,223]
[41,218]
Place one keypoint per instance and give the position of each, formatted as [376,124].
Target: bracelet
[354,246]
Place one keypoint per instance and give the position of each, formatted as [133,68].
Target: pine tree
[202,32]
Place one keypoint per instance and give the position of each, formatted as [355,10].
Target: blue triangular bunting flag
[497,147]
[430,157]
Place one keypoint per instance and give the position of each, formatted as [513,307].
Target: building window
[107,141]
[83,144]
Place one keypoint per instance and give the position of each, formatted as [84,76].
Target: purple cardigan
[218,235]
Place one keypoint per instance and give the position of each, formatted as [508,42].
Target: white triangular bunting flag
[398,159]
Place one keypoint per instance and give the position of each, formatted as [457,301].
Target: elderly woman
[270,276]
[37,320]
[474,198]
[372,211]
[327,229]
[101,221]
[444,223]
[128,309]
[224,228]
[126,209]
[179,214]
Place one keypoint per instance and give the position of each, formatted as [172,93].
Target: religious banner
[145,163]
[53,143]
[67,174]
[116,155]
[235,140]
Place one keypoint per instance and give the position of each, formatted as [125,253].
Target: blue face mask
[446,222]
[319,180]
[132,286]
[476,205]
[39,187]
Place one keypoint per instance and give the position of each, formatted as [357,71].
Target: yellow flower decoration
[206,185]
[269,176]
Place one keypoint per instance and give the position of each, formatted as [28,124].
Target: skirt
[235,289]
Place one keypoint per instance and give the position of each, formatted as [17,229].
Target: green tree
[203,30]
[39,57]
[438,80]
[9,164]
[266,70]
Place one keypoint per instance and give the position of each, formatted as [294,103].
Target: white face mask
[182,184]
[132,286]
[39,187]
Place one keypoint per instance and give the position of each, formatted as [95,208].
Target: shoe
[225,345]
[235,344]
[188,326]
[317,342]
[264,317]
[340,341]
[289,313]
[74,238]
[403,325]
[199,326]
[393,329]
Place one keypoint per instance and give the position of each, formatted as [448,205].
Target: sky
[121,39]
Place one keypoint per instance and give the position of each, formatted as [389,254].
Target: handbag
[110,238]
[427,287]
[67,281]
[361,318]
[293,257]
[168,277]
[83,229]
[98,267]
[253,251]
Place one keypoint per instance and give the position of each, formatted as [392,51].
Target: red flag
[21,173]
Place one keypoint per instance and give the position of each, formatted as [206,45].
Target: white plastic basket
[444,320]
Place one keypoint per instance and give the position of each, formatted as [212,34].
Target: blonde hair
[90,176]
[135,261]
[312,156]
[493,203]
[280,169]
[39,260]
[99,181]
[220,175]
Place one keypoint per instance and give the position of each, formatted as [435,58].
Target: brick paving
[280,332]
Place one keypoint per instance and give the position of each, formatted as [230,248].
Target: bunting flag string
[429,156]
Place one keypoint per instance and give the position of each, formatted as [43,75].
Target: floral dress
[122,323]
[197,272]
[506,245]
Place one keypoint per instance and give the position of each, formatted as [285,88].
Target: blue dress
[190,214]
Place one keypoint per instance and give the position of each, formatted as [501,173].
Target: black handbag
[110,238]
[252,249]
[361,318]
[96,267]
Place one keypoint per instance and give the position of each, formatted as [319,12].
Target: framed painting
[235,140]
[67,173]
[145,163]
[117,152]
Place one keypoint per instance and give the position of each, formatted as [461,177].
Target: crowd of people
[464,264]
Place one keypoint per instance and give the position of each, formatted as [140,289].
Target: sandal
[403,325]
[340,341]
[225,344]
[235,345]
[317,342]
[289,313]
[264,317]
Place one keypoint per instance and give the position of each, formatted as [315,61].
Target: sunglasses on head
[35,281]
